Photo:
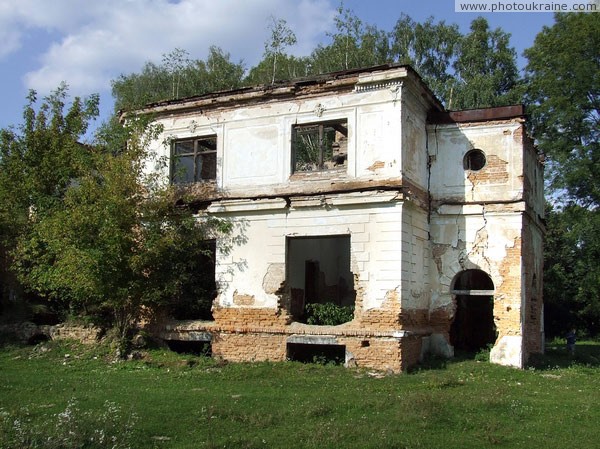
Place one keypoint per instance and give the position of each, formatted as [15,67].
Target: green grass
[168,400]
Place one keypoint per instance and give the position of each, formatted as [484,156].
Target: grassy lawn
[64,395]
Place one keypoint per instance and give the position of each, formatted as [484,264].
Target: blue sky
[87,44]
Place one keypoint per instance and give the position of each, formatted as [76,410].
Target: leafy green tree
[430,48]
[38,161]
[175,63]
[178,76]
[563,99]
[288,67]
[281,38]
[571,276]
[89,228]
[485,69]
[353,45]
[217,72]
[135,90]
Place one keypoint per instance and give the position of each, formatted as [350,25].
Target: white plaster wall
[478,241]
[253,153]
[416,290]
[379,137]
[414,140]
[534,172]
[448,144]
[376,248]
[254,142]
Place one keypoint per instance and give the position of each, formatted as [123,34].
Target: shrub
[328,314]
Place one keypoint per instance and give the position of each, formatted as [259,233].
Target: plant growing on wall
[328,314]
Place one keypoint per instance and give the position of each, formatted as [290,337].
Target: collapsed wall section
[485,192]
[378,241]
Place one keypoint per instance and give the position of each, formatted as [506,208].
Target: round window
[474,160]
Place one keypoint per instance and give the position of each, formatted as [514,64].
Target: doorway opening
[320,280]
[473,328]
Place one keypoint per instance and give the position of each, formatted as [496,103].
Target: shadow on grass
[557,356]
[433,362]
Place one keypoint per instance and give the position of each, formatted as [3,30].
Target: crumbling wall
[28,332]
[487,241]
[533,317]
[501,178]
[416,289]
[254,273]
[479,221]
[414,212]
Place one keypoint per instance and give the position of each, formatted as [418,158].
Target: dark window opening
[320,146]
[203,348]
[474,160]
[197,294]
[473,328]
[321,283]
[316,353]
[194,160]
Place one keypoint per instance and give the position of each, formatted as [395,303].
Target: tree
[178,76]
[217,72]
[175,63]
[563,100]
[571,276]
[135,90]
[562,81]
[430,48]
[353,45]
[281,38]
[288,67]
[95,232]
[38,162]
[485,69]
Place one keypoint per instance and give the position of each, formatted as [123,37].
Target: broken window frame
[317,140]
[474,160]
[202,151]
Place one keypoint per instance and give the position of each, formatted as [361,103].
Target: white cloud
[100,40]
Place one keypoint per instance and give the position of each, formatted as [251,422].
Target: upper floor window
[194,160]
[474,160]
[320,146]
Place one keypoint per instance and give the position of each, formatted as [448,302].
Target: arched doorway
[473,327]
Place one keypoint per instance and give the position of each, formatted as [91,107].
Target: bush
[328,314]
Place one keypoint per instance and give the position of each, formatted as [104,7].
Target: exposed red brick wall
[494,172]
[244,317]
[507,301]
[249,347]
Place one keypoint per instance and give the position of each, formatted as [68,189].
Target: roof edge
[477,115]
[278,89]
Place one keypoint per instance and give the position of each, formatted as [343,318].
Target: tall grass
[168,400]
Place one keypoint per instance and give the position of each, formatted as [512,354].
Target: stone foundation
[28,332]
[251,335]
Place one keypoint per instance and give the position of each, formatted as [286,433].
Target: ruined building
[358,189]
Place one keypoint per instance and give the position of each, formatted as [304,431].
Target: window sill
[335,173]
